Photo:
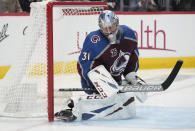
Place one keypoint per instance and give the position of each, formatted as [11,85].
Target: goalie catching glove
[132,78]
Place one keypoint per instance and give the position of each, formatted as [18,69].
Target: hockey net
[48,59]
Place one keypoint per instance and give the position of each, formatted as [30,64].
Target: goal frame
[50,60]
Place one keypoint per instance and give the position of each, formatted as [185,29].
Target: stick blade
[172,75]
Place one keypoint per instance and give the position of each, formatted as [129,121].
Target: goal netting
[47,61]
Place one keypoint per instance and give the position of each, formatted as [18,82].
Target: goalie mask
[108,23]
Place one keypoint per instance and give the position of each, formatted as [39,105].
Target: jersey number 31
[86,56]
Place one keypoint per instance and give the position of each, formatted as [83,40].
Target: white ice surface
[171,110]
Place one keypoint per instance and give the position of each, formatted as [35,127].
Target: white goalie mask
[108,23]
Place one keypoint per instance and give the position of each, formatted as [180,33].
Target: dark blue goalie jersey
[119,59]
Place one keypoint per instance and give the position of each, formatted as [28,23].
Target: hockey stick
[142,88]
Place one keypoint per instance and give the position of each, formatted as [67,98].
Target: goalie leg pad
[118,106]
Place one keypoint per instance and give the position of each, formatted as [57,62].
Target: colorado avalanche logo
[120,63]
[95,38]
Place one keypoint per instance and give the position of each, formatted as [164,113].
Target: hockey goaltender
[107,66]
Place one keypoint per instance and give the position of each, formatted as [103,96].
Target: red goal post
[70,8]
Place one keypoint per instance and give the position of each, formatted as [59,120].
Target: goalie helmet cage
[52,45]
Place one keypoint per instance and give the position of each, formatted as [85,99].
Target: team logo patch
[95,38]
[120,63]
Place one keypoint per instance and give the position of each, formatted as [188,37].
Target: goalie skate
[65,115]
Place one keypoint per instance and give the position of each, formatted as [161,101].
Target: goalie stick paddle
[142,88]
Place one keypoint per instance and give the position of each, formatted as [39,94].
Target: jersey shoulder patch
[95,38]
